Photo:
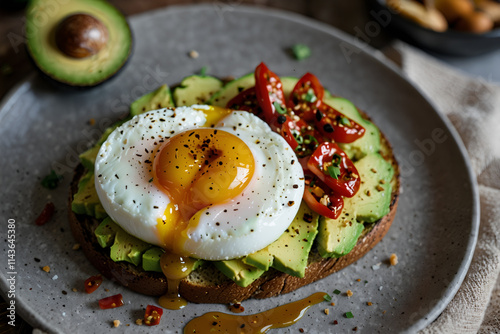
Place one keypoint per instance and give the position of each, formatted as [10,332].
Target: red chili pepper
[321,199]
[270,95]
[152,316]
[335,126]
[246,100]
[306,97]
[111,302]
[332,166]
[46,214]
[92,283]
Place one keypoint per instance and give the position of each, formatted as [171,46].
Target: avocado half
[79,43]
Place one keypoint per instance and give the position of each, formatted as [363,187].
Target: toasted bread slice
[207,284]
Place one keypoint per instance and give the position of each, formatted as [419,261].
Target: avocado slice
[290,252]
[337,237]
[373,199]
[370,142]
[288,85]
[158,99]
[151,259]
[106,232]
[128,248]
[231,89]
[240,272]
[50,47]
[196,89]
[86,201]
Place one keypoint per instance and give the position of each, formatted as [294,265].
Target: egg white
[242,225]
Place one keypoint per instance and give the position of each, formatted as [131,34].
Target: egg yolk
[199,168]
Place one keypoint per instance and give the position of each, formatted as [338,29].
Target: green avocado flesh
[290,252]
[43,18]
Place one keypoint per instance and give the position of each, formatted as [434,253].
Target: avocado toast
[311,248]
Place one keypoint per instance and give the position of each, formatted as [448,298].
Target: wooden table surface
[15,64]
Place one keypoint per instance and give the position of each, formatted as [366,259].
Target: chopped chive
[327,298]
[301,51]
[298,137]
[337,292]
[333,171]
[204,71]
[310,96]
[51,181]
[279,108]
[349,315]
[345,121]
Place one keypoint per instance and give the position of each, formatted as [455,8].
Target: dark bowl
[449,42]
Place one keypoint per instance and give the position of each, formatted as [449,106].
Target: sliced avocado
[86,201]
[106,232]
[128,248]
[370,142]
[88,157]
[288,85]
[151,259]
[373,199]
[196,89]
[241,273]
[231,89]
[290,252]
[337,237]
[158,99]
[98,55]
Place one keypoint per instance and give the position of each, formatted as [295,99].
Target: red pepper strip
[332,166]
[306,97]
[92,283]
[246,100]
[153,315]
[46,214]
[322,199]
[111,302]
[270,95]
[335,126]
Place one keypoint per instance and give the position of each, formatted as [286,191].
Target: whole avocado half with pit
[77,43]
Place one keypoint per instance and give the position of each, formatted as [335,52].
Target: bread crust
[272,283]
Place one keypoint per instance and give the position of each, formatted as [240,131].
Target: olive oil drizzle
[279,317]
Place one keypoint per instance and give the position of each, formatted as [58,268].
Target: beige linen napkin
[473,106]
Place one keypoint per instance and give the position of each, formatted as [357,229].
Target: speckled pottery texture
[433,234]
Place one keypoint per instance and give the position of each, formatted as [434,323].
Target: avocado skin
[67,84]
[289,254]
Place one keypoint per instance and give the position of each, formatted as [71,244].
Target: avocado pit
[81,35]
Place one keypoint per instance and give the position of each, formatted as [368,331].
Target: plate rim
[14,93]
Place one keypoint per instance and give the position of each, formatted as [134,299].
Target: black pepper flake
[328,128]
[295,186]
[116,175]
[307,217]
[155,207]
[319,115]
[214,323]
[281,119]
[291,203]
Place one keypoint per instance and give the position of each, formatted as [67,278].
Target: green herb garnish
[345,121]
[204,71]
[298,137]
[337,292]
[349,315]
[51,181]
[310,96]
[301,51]
[333,171]
[327,298]
[279,108]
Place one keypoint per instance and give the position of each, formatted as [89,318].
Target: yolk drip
[175,268]
[199,168]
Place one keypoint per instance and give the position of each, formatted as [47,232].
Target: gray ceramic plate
[433,234]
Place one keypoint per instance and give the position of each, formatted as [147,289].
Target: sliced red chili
[306,97]
[322,199]
[152,316]
[92,283]
[46,214]
[246,100]
[111,302]
[335,126]
[270,95]
[333,167]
